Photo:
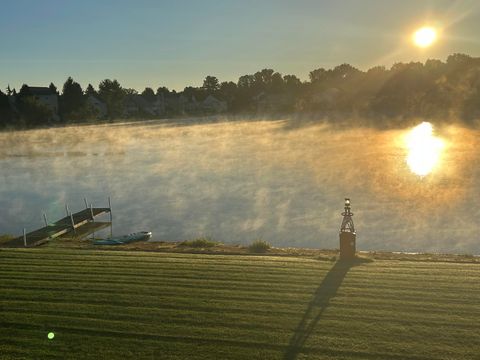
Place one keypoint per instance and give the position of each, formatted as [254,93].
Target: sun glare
[425,36]
[424,149]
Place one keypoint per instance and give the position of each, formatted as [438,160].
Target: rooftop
[40,90]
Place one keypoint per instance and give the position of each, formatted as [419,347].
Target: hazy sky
[178,42]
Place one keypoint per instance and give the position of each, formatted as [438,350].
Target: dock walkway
[68,224]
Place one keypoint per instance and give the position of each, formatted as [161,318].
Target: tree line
[435,90]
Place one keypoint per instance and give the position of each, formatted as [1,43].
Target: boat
[126,239]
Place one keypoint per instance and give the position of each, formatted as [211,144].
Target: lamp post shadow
[317,306]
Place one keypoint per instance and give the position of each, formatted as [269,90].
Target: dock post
[45,219]
[111,217]
[24,237]
[85,200]
[110,207]
[93,220]
[73,224]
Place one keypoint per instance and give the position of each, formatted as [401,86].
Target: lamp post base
[347,245]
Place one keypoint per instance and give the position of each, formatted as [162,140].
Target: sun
[425,36]
[424,149]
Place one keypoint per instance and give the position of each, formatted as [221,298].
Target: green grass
[5,238]
[259,246]
[141,305]
[204,242]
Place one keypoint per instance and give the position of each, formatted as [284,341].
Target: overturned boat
[126,239]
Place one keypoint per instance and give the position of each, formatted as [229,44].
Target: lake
[236,181]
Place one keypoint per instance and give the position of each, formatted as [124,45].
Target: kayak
[139,236]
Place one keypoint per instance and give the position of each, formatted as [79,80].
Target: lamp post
[347,234]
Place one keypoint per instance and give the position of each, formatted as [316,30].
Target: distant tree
[397,67]
[33,113]
[246,90]
[401,95]
[163,90]
[111,92]
[72,99]
[458,59]
[471,107]
[228,87]
[344,71]
[6,114]
[53,88]
[190,91]
[90,91]
[246,82]
[267,80]
[228,90]
[148,94]
[373,80]
[24,91]
[130,91]
[469,90]
[22,96]
[263,78]
[318,75]
[433,90]
[376,70]
[277,84]
[291,82]
[433,65]
[211,84]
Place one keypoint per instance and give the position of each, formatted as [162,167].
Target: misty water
[239,181]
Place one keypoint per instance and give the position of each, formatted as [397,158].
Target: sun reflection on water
[424,149]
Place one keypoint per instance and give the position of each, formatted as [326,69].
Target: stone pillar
[347,245]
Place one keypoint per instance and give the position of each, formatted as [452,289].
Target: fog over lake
[239,181]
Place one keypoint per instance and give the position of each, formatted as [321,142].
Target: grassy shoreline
[216,248]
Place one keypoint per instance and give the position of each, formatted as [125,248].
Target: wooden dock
[85,230]
[79,224]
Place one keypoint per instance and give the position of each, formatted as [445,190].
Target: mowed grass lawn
[139,305]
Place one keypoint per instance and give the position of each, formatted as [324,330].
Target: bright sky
[178,42]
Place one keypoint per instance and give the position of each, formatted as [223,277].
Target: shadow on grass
[326,291]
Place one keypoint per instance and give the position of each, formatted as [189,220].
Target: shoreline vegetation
[379,97]
[205,245]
